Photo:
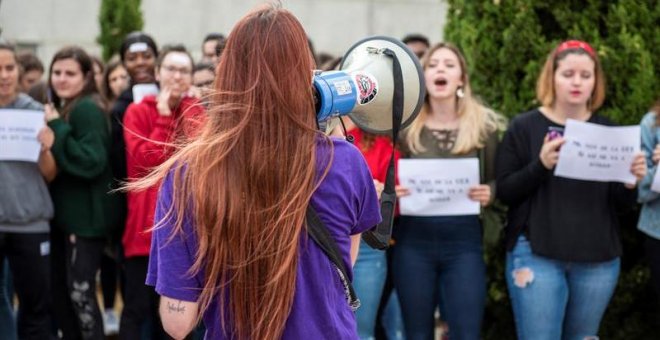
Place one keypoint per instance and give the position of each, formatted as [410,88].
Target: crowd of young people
[222,170]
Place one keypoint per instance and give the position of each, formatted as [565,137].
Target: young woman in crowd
[438,260]
[649,218]
[25,212]
[138,53]
[150,128]
[115,82]
[256,273]
[99,70]
[562,235]
[83,208]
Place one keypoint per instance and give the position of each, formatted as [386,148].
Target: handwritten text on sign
[598,153]
[438,187]
[18,134]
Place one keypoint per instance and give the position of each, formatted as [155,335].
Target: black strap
[320,234]
[379,237]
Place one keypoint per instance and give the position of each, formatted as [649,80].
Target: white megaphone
[364,87]
[380,86]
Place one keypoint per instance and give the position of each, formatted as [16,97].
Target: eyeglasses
[184,71]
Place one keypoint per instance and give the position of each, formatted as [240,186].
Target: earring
[460,93]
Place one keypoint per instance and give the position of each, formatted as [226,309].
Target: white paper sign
[598,153]
[655,186]
[142,90]
[18,134]
[438,187]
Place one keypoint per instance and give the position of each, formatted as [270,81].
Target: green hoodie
[80,191]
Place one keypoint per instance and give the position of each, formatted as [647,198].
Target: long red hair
[250,174]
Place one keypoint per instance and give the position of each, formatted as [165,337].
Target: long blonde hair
[477,121]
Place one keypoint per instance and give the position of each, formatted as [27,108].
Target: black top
[118,157]
[564,219]
[118,148]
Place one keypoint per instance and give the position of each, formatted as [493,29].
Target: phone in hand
[555,132]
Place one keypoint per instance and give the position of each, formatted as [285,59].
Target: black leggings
[140,304]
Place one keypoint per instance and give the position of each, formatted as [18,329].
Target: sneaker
[110,322]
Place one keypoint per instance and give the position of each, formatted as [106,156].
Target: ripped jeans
[75,263]
[556,299]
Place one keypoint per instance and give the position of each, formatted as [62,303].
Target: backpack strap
[320,234]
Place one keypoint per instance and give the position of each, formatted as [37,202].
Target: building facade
[44,26]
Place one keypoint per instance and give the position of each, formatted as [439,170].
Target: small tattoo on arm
[178,308]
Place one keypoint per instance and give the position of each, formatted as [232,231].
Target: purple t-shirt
[347,204]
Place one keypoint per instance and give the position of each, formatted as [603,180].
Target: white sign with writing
[142,90]
[595,152]
[18,134]
[438,187]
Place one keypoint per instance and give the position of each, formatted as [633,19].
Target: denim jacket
[649,219]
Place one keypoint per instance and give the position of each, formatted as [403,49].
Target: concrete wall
[333,25]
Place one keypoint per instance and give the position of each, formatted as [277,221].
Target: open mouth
[440,82]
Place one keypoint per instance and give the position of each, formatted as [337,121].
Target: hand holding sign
[50,112]
[638,169]
[480,193]
[549,153]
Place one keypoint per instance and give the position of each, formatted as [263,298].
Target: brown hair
[545,86]
[106,91]
[167,49]
[29,62]
[476,120]
[257,155]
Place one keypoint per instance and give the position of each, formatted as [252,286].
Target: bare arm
[355,247]
[47,165]
[178,316]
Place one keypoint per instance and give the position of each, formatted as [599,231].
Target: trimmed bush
[117,18]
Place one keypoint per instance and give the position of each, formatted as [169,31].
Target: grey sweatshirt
[25,204]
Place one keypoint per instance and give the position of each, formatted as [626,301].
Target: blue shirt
[649,218]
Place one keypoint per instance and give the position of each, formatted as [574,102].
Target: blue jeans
[556,299]
[439,260]
[368,280]
[391,318]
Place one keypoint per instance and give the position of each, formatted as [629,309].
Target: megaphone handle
[383,231]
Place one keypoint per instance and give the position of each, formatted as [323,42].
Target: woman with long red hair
[230,245]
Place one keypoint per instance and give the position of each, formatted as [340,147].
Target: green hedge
[505,44]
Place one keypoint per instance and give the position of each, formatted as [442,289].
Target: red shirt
[145,131]
[377,155]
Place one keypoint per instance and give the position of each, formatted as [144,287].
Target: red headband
[575,44]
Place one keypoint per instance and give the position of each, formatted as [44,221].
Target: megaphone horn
[363,88]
